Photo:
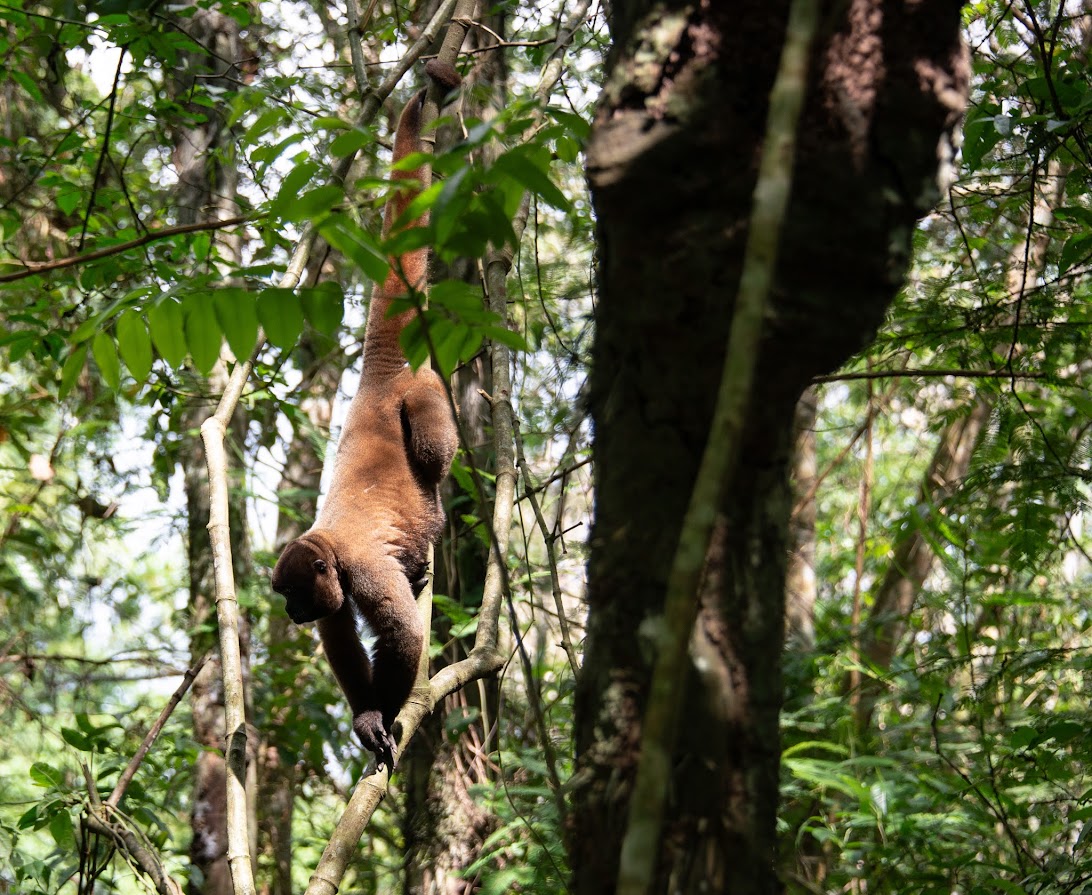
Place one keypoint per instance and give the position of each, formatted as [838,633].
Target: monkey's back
[376,504]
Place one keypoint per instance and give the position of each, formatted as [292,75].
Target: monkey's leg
[385,600]
[431,435]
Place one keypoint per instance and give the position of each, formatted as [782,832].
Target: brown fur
[366,554]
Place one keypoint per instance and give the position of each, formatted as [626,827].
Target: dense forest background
[188,192]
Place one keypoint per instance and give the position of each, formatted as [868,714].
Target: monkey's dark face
[306,576]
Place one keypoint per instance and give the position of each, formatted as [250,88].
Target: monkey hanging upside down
[365,558]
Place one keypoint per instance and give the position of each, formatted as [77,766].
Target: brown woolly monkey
[361,563]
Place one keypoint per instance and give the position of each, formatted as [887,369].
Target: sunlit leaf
[106,356]
[135,344]
[280,315]
[168,333]
[202,332]
[235,310]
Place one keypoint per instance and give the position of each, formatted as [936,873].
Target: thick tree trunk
[672,163]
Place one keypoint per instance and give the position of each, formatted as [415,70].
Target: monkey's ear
[328,594]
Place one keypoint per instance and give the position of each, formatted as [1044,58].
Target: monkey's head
[306,575]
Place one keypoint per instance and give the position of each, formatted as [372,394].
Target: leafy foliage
[973,748]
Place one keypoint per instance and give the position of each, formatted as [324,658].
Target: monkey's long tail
[383,355]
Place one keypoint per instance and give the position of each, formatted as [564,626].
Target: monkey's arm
[376,688]
[353,670]
[431,436]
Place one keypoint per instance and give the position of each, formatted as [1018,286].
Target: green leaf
[43,774]
[135,344]
[279,312]
[28,819]
[202,333]
[76,740]
[413,342]
[1076,248]
[265,122]
[349,142]
[235,309]
[28,84]
[166,321]
[980,135]
[505,336]
[323,306]
[291,186]
[568,150]
[61,829]
[106,356]
[576,125]
[71,370]
[356,244]
[314,204]
[69,200]
[529,169]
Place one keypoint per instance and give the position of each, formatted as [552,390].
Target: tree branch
[930,374]
[149,738]
[213,431]
[33,267]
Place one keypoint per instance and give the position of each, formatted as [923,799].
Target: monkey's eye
[319,565]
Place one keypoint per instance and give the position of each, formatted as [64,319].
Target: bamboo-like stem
[641,845]
[213,431]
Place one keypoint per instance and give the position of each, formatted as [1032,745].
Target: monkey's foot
[375,737]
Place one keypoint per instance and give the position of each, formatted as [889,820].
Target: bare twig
[107,820]
[105,152]
[149,738]
[549,539]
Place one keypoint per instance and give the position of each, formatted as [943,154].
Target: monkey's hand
[375,737]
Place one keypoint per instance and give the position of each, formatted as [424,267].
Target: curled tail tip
[447,76]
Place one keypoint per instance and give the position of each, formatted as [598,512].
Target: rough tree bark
[672,163]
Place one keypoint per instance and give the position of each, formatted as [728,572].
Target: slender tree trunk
[206,190]
[672,165]
[297,498]
[800,585]
[913,559]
